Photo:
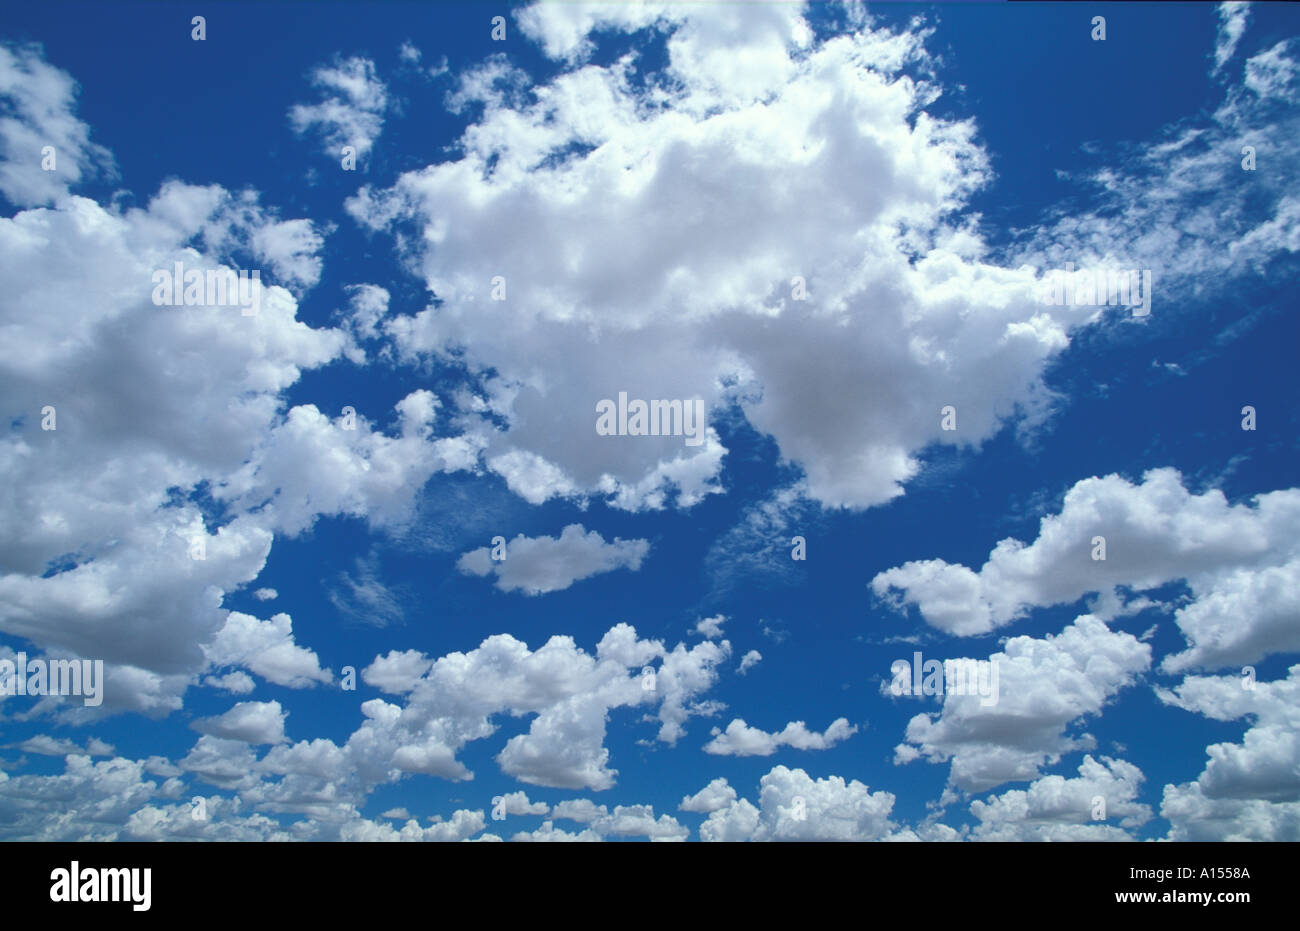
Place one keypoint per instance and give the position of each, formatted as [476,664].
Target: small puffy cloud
[623,821]
[711,627]
[739,739]
[795,806]
[267,649]
[309,465]
[239,682]
[290,247]
[581,810]
[517,803]
[1241,561]
[537,565]
[1098,805]
[397,673]
[639,821]
[224,762]
[682,675]
[1044,686]
[549,833]
[749,661]
[253,722]
[352,112]
[462,825]
[368,304]
[717,795]
[564,747]
[266,594]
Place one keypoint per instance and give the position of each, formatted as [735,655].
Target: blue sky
[648,180]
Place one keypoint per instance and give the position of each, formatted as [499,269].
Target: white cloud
[88,801]
[517,803]
[460,697]
[717,795]
[98,549]
[352,112]
[309,465]
[290,247]
[623,821]
[253,722]
[749,661]
[462,825]
[1045,685]
[1272,73]
[1194,817]
[1055,808]
[1233,17]
[239,682]
[368,304]
[795,806]
[739,739]
[397,673]
[904,307]
[622,204]
[549,833]
[224,762]
[581,810]
[738,821]
[1248,790]
[711,627]
[40,113]
[225,822]
[364,597]
[639,821]
[267,649]
[537,565]
[46,745]
[681,676]
[1181,205]
[760,546]
[1241,561]
[562,29]
[266,594]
